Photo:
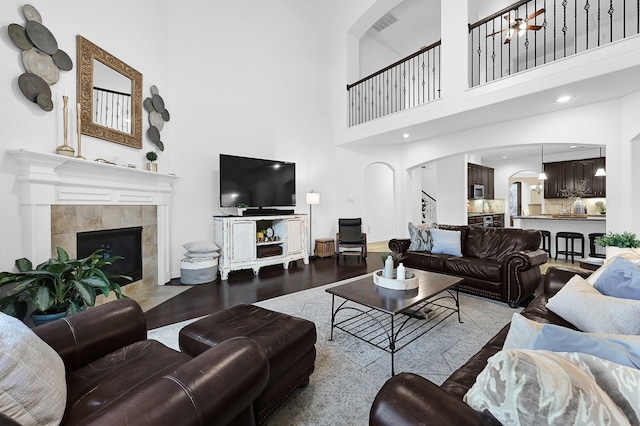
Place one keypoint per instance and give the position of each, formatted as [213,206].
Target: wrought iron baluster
[564,27]
[586,20]
[610,12]
[575,26]
[479,56]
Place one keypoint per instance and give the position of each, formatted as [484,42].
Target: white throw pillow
[543,388]
[33,388]
[589,310]
[446,242]
[201,247]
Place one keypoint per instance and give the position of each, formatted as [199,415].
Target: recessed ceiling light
[565,98]
[574,147]
[504,156]
[406,135]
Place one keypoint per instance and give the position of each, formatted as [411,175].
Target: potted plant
[615,243]
[57,287]
[601,206]
[152,157]
[397,257]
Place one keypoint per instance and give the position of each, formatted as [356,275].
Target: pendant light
[600,171]
[543,175]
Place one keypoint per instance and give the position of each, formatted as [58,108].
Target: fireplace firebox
[125,242]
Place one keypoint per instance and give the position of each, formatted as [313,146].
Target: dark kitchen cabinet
[480,175]
[568,174]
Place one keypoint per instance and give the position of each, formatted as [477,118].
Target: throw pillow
[33,388]
[589,310]
[541,387]
[527,334]
[620,279]
[446,242]
[207,255]
[632,256]
[420,236]
[201,247]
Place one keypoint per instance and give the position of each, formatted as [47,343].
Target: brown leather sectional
[116,376]
[498,263]
[408,399]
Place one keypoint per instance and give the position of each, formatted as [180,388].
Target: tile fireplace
[63,196]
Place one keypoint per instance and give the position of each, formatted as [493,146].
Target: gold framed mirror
[110,96]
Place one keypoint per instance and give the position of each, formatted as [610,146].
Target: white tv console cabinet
[236,237]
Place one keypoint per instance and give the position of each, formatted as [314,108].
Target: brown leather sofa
[498,263]
[116,376]
[408,399]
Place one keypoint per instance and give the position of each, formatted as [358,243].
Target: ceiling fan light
[521,32]
[601,172]
[522,26]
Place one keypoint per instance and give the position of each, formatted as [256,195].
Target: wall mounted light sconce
[537,188]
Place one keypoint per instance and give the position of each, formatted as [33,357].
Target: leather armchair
[115,375]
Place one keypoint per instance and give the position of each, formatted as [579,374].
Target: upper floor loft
[508,63]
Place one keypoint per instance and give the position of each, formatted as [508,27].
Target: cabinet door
[294,230]
[600,182]
[242,241]
[489,186]
[587,170]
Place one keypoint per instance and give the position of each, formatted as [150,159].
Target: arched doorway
[379,200]
[525,194]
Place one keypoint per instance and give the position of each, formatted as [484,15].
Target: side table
[325,247]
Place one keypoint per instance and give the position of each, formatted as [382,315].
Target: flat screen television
[256,182]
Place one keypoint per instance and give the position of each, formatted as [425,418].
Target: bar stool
[573,236]
[592,245]
[546,241]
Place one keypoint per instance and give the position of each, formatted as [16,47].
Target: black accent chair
[350,236]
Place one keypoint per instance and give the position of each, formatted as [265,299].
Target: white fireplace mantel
[49,179]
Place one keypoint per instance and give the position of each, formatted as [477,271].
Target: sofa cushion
[482,269]
[581,304]
[541,387]
[446,242]
[620,279]
[514,240]
[482,243]
[32,377]
[421,239]
[619,348]
[94,387]
[425,260]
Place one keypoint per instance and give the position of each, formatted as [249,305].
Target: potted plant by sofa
[151,158]
[617,243]
[57,287]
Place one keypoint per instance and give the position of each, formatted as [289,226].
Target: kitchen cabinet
[567,174]
[480,175]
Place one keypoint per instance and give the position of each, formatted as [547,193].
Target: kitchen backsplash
[486,206]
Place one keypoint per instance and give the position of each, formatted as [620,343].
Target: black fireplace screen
[125,242]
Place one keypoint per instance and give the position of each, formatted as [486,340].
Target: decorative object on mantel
[79,127]
[65,149]
[41,57]
[158,114]
[152,165]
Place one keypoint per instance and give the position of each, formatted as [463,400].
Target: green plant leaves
[42,300]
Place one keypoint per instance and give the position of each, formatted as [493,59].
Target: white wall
[137,37]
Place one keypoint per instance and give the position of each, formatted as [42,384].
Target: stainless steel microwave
[478,192]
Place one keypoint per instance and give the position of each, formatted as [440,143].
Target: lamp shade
[542,176]
[313,198]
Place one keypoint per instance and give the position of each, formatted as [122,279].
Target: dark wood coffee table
[391,319]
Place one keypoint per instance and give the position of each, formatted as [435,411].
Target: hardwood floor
[244,287]
[272,281]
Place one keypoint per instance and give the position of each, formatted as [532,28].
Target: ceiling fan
[519,25]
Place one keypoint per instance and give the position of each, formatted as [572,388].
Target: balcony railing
[412,81]
[534,32]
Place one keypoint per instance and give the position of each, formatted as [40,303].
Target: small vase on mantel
[578,206]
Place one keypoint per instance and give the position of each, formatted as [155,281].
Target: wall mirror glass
[110,96]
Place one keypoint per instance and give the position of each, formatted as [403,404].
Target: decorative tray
[410,283]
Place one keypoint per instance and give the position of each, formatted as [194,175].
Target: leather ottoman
[289,343]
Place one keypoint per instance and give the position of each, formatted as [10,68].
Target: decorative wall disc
[148,105]
[41,65]
[32,86]
[165,115]
[154,134]
[31,13]
[154,90]
[18,35]
[158,115]
[62,60]
[44,101]
[158,103]
[41,37]
[155,119]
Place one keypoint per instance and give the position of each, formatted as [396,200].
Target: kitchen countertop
[471,214]
[599,217]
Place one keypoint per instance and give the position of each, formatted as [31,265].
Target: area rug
[348,372]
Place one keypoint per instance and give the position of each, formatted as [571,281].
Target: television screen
[256,182]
